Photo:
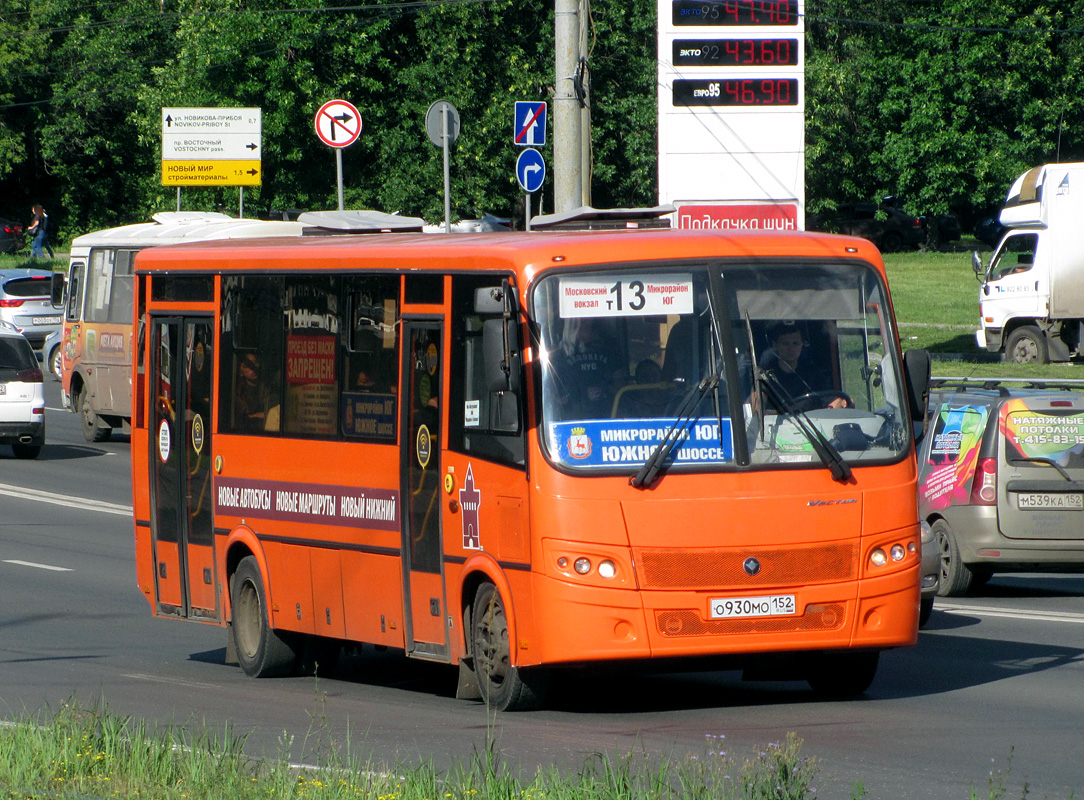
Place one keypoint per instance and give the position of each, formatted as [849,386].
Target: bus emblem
[579,443]
[751,566]
[470,501]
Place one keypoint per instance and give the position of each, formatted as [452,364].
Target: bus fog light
[878,557]
[607,569]
[562,563]
[582,565]
[911,547]
[898,552]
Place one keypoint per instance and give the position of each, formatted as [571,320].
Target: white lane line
[1010,613]
[65,500]
[35,566]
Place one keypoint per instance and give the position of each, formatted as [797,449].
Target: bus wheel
[503,686]
[261,652]
[842,674]
[956,578]
[93,431]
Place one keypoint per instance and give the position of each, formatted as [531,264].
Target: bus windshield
[803,355]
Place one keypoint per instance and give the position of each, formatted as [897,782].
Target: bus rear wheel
[93,430]
[502,685]
[261,651]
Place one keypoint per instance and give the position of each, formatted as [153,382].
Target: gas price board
[732,112]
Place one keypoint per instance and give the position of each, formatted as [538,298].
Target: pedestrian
[39,229]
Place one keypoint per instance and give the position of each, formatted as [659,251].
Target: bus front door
[423,572]
[180,443]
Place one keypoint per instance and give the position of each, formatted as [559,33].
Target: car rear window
[28,287]
[16,354]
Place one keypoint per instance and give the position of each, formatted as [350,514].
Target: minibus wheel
[502,685]
[261,651]
[93,431]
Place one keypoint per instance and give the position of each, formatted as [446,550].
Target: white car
[22,396]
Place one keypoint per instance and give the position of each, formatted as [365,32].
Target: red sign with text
[746,217]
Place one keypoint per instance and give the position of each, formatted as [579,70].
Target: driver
[795,374]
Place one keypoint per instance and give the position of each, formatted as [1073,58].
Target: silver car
[25,302]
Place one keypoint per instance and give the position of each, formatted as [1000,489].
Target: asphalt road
[994,677]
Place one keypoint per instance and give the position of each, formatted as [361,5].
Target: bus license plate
[775,605]
[1058,501]
[46,320]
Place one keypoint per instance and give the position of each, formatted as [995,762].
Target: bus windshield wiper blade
[841,470]
[646,475]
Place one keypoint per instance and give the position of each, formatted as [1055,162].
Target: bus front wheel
[261,651]
[502,685]
[93,430]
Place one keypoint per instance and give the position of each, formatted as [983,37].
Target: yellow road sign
[211,173]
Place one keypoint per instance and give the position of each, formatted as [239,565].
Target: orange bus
[524,452]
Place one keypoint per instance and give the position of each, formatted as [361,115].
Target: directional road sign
[212,146]
[530,123]
[530,170]
[338,124]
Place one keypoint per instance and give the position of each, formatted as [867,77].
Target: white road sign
[210,145]
[212,120]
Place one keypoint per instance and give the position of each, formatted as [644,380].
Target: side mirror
[916,373]
[58,289]
[977,265]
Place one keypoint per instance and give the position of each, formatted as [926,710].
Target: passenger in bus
[587,369]
[796,375]
[252,398]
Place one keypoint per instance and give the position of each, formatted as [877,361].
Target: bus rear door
[180,444]
[423,546]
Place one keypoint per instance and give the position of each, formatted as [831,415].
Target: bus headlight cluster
[583,566]
[896,553]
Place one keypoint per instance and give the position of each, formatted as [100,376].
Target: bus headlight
[582,565]
[898,552]
[607,569]
[878,557]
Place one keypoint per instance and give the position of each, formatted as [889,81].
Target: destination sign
[211,173]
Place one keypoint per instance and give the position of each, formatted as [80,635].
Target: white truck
[1031,298]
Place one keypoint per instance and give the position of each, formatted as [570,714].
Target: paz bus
[96,347]
[519,453]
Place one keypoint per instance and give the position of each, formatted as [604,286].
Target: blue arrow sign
[530,170]
[530,123]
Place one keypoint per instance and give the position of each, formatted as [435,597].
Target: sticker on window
[472,417]
[627,296]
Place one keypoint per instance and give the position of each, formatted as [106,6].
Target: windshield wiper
[1048,461]
[646,475]
[841,470]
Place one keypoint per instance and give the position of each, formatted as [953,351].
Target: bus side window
[251,354]
[99,283]
[75,291]
[484,421]
[369,407]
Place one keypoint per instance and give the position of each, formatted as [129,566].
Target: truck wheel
[93,431]
[503,687]
[261,651]
[955,575]
[1026,345]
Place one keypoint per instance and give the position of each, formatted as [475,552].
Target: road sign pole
[447,172]
[339,175]
[241,202]
[178,198]
[527,211]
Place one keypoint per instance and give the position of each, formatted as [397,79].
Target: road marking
[139,676]
[35,566]
[1011,613]
[65,500]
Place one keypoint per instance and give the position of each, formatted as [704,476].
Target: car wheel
[26,450]
[842,674]
[955,575]
[54,362]
[93,430]
[891,242]
[261,651]
[503,686]
[1026,345]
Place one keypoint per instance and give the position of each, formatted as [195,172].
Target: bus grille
[723,569]
[690,623]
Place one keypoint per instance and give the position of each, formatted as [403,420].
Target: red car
[11,236]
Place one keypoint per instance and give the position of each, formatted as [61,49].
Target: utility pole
[567,132]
